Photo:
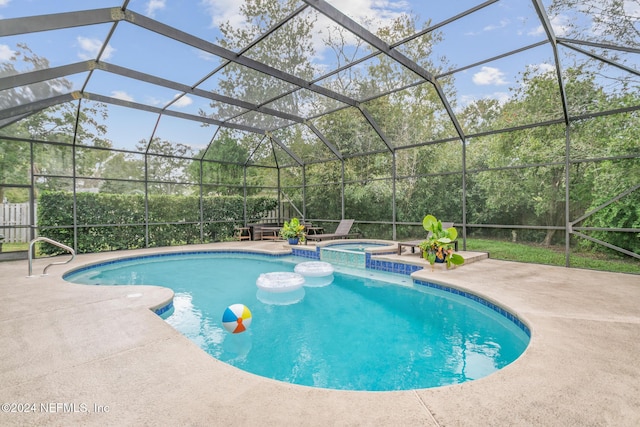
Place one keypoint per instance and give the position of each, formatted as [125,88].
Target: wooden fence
[14,222]
[278,216]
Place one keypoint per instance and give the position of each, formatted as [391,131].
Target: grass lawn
[13,247]
[554,255]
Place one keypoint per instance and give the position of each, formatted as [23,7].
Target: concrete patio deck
[96,355]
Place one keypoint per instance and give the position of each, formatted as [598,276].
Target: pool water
[359,333]
[356,247]
[348,254]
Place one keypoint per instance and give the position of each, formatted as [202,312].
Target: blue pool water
[356,247]
[348,254]
[359,333]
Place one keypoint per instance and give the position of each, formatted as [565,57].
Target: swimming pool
[365,331]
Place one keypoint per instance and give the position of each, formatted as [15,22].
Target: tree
[24,60]
[616,18]
[167,165]
[57,124]
[518,157]
[121,171]
[538,197]
[226,173]
[613,138]
[288,48]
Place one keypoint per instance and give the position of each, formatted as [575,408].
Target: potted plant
[438,247]
[293,231]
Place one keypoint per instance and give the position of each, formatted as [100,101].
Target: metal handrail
[53,242]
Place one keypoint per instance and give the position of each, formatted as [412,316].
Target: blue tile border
[162,310]
[303,253]
[390,266]
[165,254]
[505,313]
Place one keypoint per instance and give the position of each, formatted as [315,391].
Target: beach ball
[236,318]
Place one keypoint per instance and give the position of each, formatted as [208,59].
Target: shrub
[117,221]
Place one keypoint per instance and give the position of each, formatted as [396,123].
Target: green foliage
[61,123]
[109,222]
[439,242]
[509,185]
[616,19]
[294,47]
[370,201]
[292,229]
[167,169]
[14,161]
[625,213]
[324,192]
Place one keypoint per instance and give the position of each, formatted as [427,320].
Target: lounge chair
[413,244]
[342,231]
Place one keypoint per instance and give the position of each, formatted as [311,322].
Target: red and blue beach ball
[236,318]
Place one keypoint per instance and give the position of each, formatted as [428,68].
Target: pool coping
[73,344]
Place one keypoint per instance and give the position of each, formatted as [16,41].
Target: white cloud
[4,3]
[503,23]
[539,30]
[560,25]
[545,68]
[489,76]
[152,100]
[120,94]
[501,97]
[222,11]
[153,6]
[182,102]
[380,12]
[492,27]
[91,48]
[6,53]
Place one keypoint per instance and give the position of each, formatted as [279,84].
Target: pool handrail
[53,242]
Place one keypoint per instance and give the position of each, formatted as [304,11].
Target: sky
[491,31]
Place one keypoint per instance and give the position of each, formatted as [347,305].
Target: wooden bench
[242,233]
[270,233]
[413,244]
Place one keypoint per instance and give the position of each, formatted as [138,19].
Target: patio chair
[342,231]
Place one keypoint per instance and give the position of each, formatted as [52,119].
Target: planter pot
[425,255]
[293,240]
